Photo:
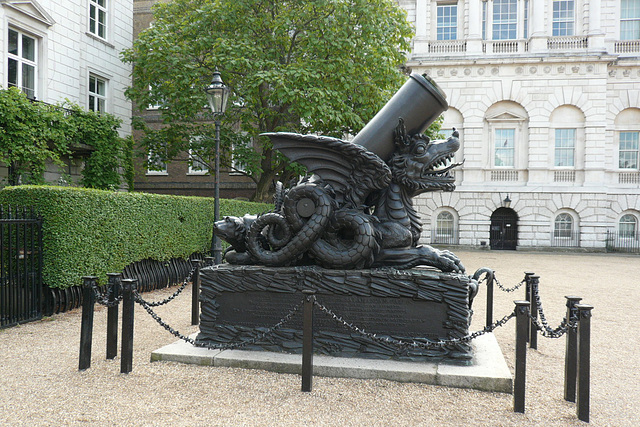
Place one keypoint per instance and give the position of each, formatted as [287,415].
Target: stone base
[489,371]
[240,302]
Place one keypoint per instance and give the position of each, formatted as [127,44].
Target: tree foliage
[324,66]
[34,133]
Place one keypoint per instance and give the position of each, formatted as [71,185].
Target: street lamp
[217,95]
[506,202]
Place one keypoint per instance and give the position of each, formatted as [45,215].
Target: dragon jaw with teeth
[418,165]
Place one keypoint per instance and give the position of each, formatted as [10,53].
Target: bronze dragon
[354,210]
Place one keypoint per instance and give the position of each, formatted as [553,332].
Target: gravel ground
[41,383]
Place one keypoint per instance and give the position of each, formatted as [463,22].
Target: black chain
[414,344]
[175,294]
[513,289]
[543,326]
[547,332]
[229,346]
[104,299]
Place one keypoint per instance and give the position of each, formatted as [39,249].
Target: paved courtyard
[41,384]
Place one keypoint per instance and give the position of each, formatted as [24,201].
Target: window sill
[100,39]
[154,173]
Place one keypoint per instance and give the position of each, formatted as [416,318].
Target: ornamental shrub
[95,232]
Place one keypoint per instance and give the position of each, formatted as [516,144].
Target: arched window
[563,226]
[628,226]
[566,232]
[445,228]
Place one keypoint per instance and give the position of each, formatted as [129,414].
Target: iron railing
[623,242]
[445,237]
[565,239]
[20,266]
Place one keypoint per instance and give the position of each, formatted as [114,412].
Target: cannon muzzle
[420,101]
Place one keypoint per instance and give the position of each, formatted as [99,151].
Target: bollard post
[195,292]
[86,328]
[571,351]
[527,292]
[490,280]
[533,330]
[584,362]
[522,321]
[113,291]
[307,339]
[126,361]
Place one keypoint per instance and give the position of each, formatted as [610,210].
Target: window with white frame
[445,224]
[526,19]
[563,226]
[629,19]
[504,147]
[565,147]
[484,20]
[628,151]
[447,21]
[505,20]
[563,18]
[22,66]
[196,165]
[155,164]
[97,94]
[628,226]
[98,18]
[444,228]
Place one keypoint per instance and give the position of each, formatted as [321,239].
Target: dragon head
[421,165]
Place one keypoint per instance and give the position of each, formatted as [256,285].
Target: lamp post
[217,95]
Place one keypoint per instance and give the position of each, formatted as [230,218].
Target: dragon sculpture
[354,210]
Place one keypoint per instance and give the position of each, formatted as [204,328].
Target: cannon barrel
[420,101]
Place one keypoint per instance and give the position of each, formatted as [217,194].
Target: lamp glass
[217,94]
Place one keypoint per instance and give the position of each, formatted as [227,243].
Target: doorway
[503,234]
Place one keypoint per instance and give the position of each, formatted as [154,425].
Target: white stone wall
[68,52]
[590,85]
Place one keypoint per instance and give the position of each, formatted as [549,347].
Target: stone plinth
[240,302]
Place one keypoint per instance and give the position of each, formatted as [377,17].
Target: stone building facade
[61,49]
[546,96]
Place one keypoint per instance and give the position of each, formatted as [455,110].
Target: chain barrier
[414,344]
[512,289]
[228,346]
[543,326]
[103,299]
[175,294]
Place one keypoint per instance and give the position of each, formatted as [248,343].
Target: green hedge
[94,232]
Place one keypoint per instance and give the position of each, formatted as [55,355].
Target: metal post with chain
[86,328]
[584,361]
[522,320]
[195,292]
[571,351]
[128,288]
[113,291]
[307,339]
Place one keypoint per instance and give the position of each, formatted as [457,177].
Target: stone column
[538,38]
[421,41]
[474,39]
[596,35]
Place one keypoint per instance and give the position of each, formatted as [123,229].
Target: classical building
[546,96]
[59,49]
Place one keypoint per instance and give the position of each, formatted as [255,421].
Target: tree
[324,66]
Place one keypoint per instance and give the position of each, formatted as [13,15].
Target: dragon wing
[352,171]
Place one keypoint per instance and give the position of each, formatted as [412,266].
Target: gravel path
[41,384]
